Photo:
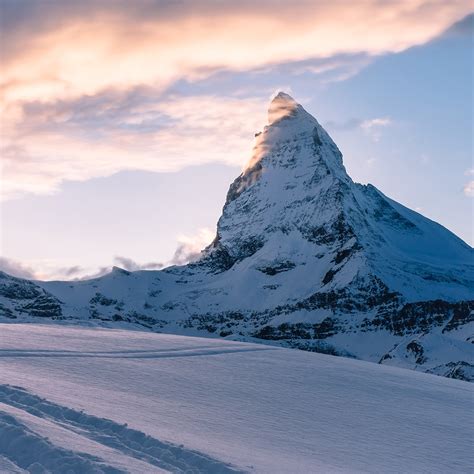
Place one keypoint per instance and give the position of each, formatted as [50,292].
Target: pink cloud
[59,53]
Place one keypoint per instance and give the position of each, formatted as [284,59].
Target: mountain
[303,257]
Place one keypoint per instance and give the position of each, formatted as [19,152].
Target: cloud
[60,49]
[132,266]
[371,161]
[40,270]
[469,189]
[190,246]
[99,135]
[71,271]
[86,275]
[376,122]
[15,268]
[372,127]
[83,84]
[188,249]
[330,69]
[350,124]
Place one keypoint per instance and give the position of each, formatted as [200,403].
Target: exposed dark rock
[417,349]
[463,313]
[386,356]
[278,268]
[44,306]
[338,231]
[460,370]
[328,327]
[362,298]
[219,259]
[18,289]
[329,276]
[316,139]
[243,182]
[345,253]
[7,312]
[212,322]
[414,318]
[319,347]
[154,293]
[102,300]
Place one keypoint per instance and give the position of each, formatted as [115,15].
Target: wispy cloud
[190,246]
[376,122]
[16,268]
[469,189]
[82,88]
[336,68]
[371,161]
[188,249]
[99,135]
[132,266]
[372,127]
[57,49]
[44,270]
[350,124]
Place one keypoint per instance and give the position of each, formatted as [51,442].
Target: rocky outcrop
[26,298]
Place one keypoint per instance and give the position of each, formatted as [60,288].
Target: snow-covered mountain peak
[283,106]
[294,182]
[295,205]
[291,130]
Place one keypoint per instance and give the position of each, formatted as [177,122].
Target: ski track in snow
[21,447]
[134,354]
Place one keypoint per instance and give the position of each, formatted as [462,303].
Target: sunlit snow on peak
[282,106]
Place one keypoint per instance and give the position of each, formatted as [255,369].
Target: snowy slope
[303,257]
[98,400]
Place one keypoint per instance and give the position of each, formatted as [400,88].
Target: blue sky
[132,168]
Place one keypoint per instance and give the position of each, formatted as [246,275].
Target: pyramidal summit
[303,257]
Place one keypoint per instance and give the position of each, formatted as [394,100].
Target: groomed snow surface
[98,400]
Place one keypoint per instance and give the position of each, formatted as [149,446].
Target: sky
[123,123]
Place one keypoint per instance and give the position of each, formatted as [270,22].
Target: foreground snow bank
[96,400]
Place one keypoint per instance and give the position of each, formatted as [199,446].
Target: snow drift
[112,401]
